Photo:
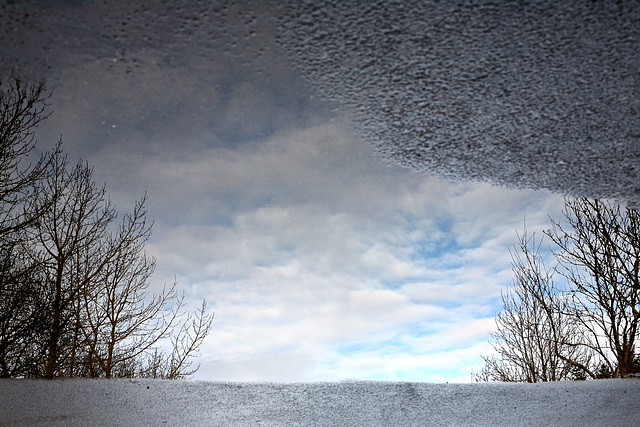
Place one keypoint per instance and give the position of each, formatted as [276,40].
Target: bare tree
[589,326]
[185,344]
[74,285]
[22,314]
[599,250]
[535,340]
[100,313]
[122,320]
[22,107]
[69,245]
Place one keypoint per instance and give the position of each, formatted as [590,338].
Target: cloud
[345,267]
[320,260]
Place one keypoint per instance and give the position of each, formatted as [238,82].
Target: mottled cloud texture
[329,264]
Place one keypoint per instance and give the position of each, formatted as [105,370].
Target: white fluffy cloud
[320,260]
[331,264]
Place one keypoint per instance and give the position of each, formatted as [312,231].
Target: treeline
[578,319]
[74,277]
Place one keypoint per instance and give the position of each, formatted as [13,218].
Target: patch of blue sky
[380,348]
[414,366]
[404,342]
[438,249]
[433,242]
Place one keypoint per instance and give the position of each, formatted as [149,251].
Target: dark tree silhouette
[74,283]
[588,326]
[535,339]
[22,107]
[599,250]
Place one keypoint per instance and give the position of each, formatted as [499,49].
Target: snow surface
[82,402]
[535,94]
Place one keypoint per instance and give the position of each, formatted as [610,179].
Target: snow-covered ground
[187,403]
[527,94]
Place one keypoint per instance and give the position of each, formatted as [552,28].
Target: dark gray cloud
[540,94]
[167,70]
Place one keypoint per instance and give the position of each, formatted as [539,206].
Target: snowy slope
[152,402]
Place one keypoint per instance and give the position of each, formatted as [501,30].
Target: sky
[321,258]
